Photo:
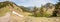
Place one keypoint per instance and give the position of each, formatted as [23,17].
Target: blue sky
[28,3]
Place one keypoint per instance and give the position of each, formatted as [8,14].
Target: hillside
[11,12]
[47,9]
[8,7]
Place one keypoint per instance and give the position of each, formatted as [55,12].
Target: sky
[28,3]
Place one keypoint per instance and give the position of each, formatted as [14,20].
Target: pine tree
[34,11]
[57,9]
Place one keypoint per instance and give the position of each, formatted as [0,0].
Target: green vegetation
[4,4]
[34,11]
[44,9]
[4,8]
[25,9]
[57,9]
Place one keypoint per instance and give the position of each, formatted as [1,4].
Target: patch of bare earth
[5,18]
[15,18]
[44,19]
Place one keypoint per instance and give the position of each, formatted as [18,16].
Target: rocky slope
[11,16]
[9,6]
[47,9]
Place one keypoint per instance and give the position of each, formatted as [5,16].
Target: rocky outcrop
[48,9]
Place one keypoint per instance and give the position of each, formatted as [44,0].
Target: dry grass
[3,11]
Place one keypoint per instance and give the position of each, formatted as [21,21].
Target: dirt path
[15,18]
[43,19]
[5,18]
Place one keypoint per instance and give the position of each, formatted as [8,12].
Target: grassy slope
[3,11]
[8,5]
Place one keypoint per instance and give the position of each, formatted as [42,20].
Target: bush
[41,15]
